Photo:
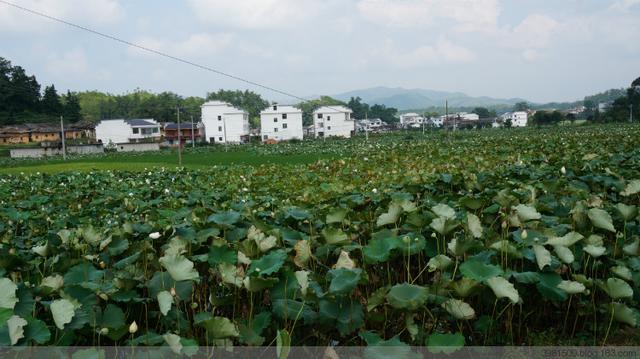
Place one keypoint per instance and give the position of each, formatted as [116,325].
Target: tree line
[21,98]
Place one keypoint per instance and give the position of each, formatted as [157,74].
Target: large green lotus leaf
[479,271]
[377,298]
[571,287]
[527,213]
[391,216]
[548,286]
[302,276]
[439,262]
[36,331]
[174,342]
[5,314]
[267,264]
[465,287]
[179,267]
[336,216]
[443,225]
[8,290]
[628,213]
[631,188]
[622,272]
[297,213]
[567,240]
[617,288]
[220,327]
[624,314]
[474,225]
[335,236]
[165,300]
[162,281]
[633,248]
[83,273]
[459,309]
[526,277]
[343,280]
[543,256]
[342,313]
[565,254]
[230,274]
[303,253]
[407,296]
[121,264]
[113,317]
[384,349]
[226,219]
[444,343]
[288,309]
[63,311]
[443,211]
[503,289]
[601,219]
[222,254]
[250,332]
[594,251]
[379,249]
[257,284]
[16,328]
[505,246]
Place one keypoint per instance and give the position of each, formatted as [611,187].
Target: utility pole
[424,119]
[64,147]
[366,126]
[193,136]
[179,139]
[226,142]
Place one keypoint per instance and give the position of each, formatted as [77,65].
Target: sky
[539,50]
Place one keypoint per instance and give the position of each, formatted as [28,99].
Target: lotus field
[493,237]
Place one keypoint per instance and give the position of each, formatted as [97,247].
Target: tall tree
[71,107]
[484,112]
[359,108]
[50,103]
[246,100]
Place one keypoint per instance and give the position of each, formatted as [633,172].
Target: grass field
[166,158]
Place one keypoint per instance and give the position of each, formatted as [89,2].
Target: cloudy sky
[541,50]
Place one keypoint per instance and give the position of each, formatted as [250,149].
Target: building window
[284,116]
[220,139]
[329,128]
[328,118]
[219,118]
[275,119]
[136,131]
[275,108]
[284,125]
[220,128]
[155,130]
[320,124]
[275,129]
[319,115]
[265,137]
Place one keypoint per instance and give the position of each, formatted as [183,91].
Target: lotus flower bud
[563,170]
[103,265]
[154,235]
[103,296]
[133,328]
[524,234]
[173,291]
[104,331]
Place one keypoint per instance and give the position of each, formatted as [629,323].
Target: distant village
[222,123]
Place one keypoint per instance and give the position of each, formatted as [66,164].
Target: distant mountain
[406,99]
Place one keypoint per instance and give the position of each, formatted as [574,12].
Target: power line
[163,54]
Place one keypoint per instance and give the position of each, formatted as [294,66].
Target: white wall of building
[217,115]
[281,123]
[518,118]
[124,131]
[333,121]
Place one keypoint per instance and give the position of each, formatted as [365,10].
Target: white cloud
[99,12]
[255,14]
[195,46]
[467,15]
[534,31]
[624,5]
[72,63]
[442,52]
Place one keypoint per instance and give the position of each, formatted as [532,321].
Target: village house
[185,129]
[14,135]
[224,123]
[333,121]
[43,132]
[281,123]
[127,131]
[518,118]
[411,120]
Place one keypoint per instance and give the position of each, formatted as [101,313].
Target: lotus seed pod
[194,305]
[103,265]
[133,328]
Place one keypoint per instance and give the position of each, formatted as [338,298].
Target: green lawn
[165,158]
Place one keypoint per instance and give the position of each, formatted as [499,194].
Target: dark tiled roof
[184,126]
[139,122]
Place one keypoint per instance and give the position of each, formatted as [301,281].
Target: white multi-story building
[224,123]
[127,131]
[333,121]
[411,119]
[281,123]
[518,118]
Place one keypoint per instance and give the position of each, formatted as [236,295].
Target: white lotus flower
[563,170]
[154,235]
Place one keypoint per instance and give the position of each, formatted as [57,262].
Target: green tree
[71,107]
[386,114]
[484,112]
[521,106]
[50,104]
[360,109]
